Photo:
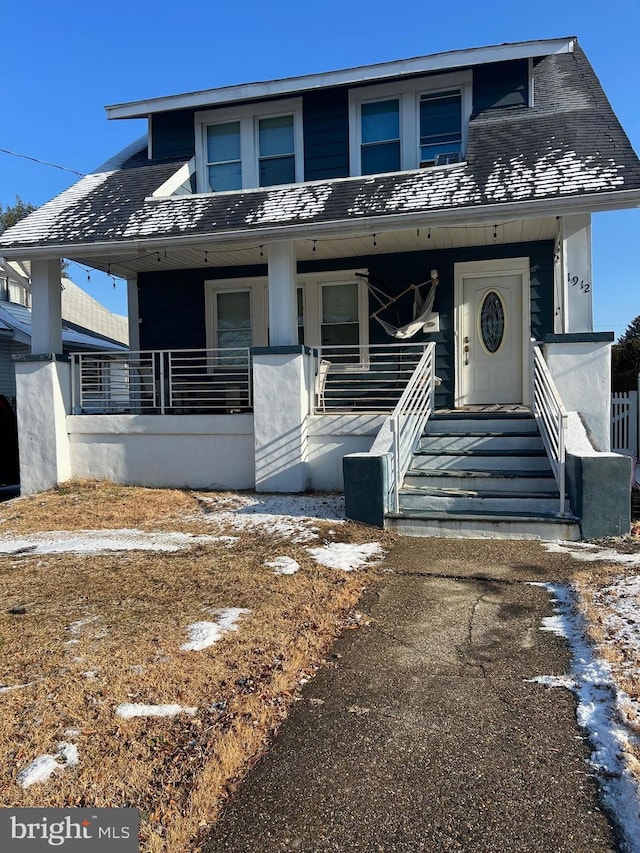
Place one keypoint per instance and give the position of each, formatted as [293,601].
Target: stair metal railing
[409,418]
[550,416]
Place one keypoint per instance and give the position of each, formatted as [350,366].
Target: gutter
[362,226]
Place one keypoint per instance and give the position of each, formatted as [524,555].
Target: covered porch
[263,365]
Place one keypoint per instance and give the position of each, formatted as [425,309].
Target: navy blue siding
[171,305]
[501,84]
[173,316]
[173,135]
[326,135]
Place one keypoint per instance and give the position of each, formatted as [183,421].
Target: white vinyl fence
[624,423]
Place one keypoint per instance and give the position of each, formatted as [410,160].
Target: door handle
[466,353]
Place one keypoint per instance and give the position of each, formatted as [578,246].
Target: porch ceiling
[217,254]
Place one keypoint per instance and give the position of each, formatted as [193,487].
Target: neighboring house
[270,234]
[86,324]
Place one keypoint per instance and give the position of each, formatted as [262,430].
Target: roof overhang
[347,77]
[339,229]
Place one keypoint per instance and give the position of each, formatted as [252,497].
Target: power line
[42,162]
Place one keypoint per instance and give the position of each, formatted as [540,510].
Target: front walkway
[423,733]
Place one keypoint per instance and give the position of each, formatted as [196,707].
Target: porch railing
[370,378]
[550,416]
[409,418]
[193,381]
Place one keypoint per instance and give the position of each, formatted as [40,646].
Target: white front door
[491,342]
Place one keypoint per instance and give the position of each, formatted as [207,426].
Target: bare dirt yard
[151,642]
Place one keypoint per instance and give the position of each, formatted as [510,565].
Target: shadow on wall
[9,469]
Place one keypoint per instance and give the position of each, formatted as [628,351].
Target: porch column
[283,311]
[46,307]
[281,383]
[134,315]
[574,269]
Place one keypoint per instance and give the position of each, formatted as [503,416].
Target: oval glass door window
[492,321]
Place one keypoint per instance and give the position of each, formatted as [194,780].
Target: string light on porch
[375,243]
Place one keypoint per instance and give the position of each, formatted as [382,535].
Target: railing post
[75,377]
[395,467]
[562,462]
[170,366]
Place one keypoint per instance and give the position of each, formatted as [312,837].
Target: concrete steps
[479,475]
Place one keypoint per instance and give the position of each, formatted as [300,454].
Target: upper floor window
[408,124]
[440,126]
[380,136]
[260,145]
[224,163]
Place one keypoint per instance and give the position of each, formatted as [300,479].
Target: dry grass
[178,770]
[593,585]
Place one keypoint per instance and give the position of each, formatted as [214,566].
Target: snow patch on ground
[100,542]
[43,766]
[127,710]
[553,681]
[15,687]
[345,556]
[588,553]
[283,566]
[293,517]
[601,712]
[204,634]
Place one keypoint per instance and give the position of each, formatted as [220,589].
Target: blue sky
[62,62]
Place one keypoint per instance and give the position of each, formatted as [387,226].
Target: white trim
[531,82]
[150,137]
[487,269]
[169,187]
[408,93]
[345,77]
[248,118]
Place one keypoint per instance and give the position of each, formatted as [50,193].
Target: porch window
[339,324]
[440,125]
[380,134]
[233,319]
[224,163]
[300,305]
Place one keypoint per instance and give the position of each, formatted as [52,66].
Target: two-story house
[299,251]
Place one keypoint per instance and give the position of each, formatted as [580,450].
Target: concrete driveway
[423,733]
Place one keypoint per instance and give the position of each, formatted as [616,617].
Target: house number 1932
[576,281]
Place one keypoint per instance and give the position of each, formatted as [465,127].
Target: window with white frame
[259,145]
[332,311]
[236,313]
[420,122]
[380,136]
[440,126]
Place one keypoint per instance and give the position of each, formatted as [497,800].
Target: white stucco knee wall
[43,393]
[580,365]
[173,451]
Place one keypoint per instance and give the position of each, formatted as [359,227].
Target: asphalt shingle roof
[568,144]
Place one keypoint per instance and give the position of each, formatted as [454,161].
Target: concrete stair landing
[482,475]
